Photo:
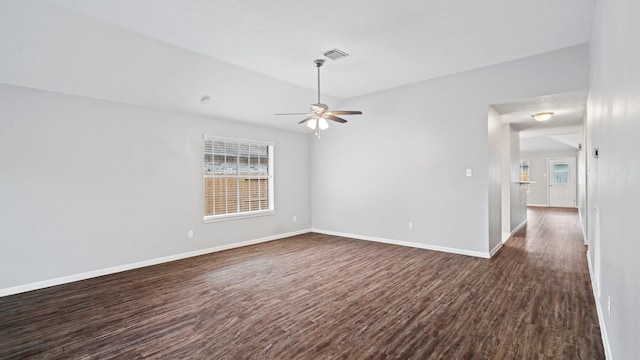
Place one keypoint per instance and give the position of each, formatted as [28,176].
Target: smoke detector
[336,54]
[206,100]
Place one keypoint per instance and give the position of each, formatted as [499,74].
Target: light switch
[468,172]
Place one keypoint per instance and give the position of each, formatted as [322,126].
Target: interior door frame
[573,173]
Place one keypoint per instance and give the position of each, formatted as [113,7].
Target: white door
[562,182]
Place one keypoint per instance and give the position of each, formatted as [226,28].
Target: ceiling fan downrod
[319,63]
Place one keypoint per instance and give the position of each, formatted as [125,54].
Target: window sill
[234,216]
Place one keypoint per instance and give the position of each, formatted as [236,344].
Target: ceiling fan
[317,118]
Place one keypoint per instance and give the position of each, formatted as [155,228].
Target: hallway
[550,270]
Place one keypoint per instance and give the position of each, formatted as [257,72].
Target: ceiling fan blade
[306,119]
[294,114]
[345,112]
[335,118]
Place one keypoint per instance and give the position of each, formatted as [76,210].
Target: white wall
[538,194]
[581,165]
[494,157]
[405,158]
[514,205]
[613,126]
[88,184]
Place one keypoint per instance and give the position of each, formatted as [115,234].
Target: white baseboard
[406,243]
[603,328]
[506,236]
[514,231]
[547,205]
[116,269]
[495,249]
[584,233]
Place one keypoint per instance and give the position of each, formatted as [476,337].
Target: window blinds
[237,176]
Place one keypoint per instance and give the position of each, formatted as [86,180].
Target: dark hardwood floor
[323,297]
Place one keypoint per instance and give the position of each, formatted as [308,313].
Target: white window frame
[270,184]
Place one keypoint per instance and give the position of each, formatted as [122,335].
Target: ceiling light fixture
[543,116]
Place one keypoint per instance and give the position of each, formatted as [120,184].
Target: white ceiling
[550,143]
[562,132]
[391,43]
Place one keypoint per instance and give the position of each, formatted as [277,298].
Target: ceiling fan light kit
[321,123]
[317,118]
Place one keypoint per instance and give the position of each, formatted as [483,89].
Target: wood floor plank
[317,296]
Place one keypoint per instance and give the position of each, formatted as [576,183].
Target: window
[238,178]
[560,174]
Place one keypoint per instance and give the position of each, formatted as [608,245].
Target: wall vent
[336,54]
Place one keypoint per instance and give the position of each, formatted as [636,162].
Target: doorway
[562,182]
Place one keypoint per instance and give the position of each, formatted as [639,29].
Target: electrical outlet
[469,172]
[410,226]
[295,218]
[190,234]
[609,304]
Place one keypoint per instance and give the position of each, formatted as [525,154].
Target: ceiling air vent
[336,54]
